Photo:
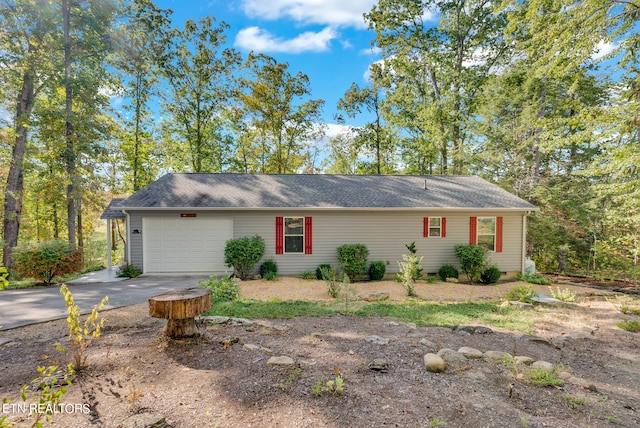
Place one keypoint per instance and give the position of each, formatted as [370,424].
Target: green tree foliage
[243,254]
[280,116]
[199,74]
[46,260]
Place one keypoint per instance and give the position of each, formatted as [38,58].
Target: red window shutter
[308,236]
[425,232]
[279,235]
[498,234]
[443,227]
[473,230]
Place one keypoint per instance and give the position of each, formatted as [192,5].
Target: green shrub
[226,288]
[129,271]
[534,278]
[431,279]
[46,260]
[377,270]
[270,276]
[448,271]
[329,275]
[4,273]
[319,270]
[307,274]
[268,266]
[520,293]
[490,275]
[473,260]
[410,272]
[353,259]
[243,254]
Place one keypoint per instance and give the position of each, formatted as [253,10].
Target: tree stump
[180,307]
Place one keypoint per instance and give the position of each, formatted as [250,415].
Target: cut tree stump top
[180,304]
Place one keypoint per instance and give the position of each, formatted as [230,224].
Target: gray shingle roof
[261,191]
[113,210]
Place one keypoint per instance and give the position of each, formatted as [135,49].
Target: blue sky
[327,40]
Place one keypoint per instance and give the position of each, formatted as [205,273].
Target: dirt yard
[138,378]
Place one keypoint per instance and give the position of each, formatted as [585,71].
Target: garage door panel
[185,244]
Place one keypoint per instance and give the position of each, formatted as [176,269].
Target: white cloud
[603,49]
[347,13]
[254,38]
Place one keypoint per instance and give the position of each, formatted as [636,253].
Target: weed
[314,339]
[432,279]
[520,293]
[631,326]
[511,365]
[410,271]
[627,310]
[565,295]
[48,392]
[307,274]
[270,276]
[543,377]
[226,288]
[293,376]
[436,422]
[613,420]
[574,403]
[4,273]
[331,387]
[81,335]
[134,394]
[524,421]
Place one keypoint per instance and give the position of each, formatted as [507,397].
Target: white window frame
[439,227]
[285,235]
[494,234]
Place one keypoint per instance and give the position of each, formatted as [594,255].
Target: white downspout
[109,261]
[128,229]
[524,242]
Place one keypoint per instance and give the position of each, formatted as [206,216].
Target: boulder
[434,363]
[470,352]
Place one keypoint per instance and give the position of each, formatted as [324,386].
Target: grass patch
[632,326]
[628,310]
[423,314]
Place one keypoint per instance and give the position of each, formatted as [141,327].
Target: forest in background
[515,91]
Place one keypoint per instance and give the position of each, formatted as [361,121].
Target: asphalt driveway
[38,304]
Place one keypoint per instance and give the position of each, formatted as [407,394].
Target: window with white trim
[487,233]
[294,234]
[435,226]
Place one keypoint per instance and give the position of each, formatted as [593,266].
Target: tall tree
[25,43]
[434,73]
[279,113]
[200,79]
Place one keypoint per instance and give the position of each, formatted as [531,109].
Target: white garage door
[185,244]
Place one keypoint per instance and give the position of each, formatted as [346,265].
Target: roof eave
[456,209]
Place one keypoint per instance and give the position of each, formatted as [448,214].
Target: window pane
[434,221]
[293,244]
[486,226]
[487,241]
[434,231]
[293,225]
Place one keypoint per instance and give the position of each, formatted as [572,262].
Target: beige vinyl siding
[384,233]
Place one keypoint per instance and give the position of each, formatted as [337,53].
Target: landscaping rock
[521,305]
[470,352]
[434,363]
[213,320]
[544,365]
[280,361]
[146,420]
[379,365]
[251,347]
[377,340]
[471,329]
[452,357]
[521,359]
[427,343]
[451,279]
[497,355]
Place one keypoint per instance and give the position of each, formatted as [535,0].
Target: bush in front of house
[46,260]
[448,271]
[377,270]
[129,271]
[473,260]
[319,270]
[243,254]
[490,275]
[4,273]
[353,259]
[268,268]
[225,288]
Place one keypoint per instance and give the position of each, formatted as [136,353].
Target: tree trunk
[13,195]
[70,149]
[180,307]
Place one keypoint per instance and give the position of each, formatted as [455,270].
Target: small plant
[473,260]
[491,275]
[82,334]
[4,273]
[293,376]
[353,259]
[129,271]
[574,403]
[333,387]
[629,311]
[270,276]
[520,293]
[267,267]
[307,275]
[565,294]
[330,277]
[534,278]
[48,392]
[243,254]
[377,270]
[448,271]
[431,279]
[631,326]
[410,271]
[135,394]
[222,289]
[437,422]
[46,260]
[543,377]
[319,270]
